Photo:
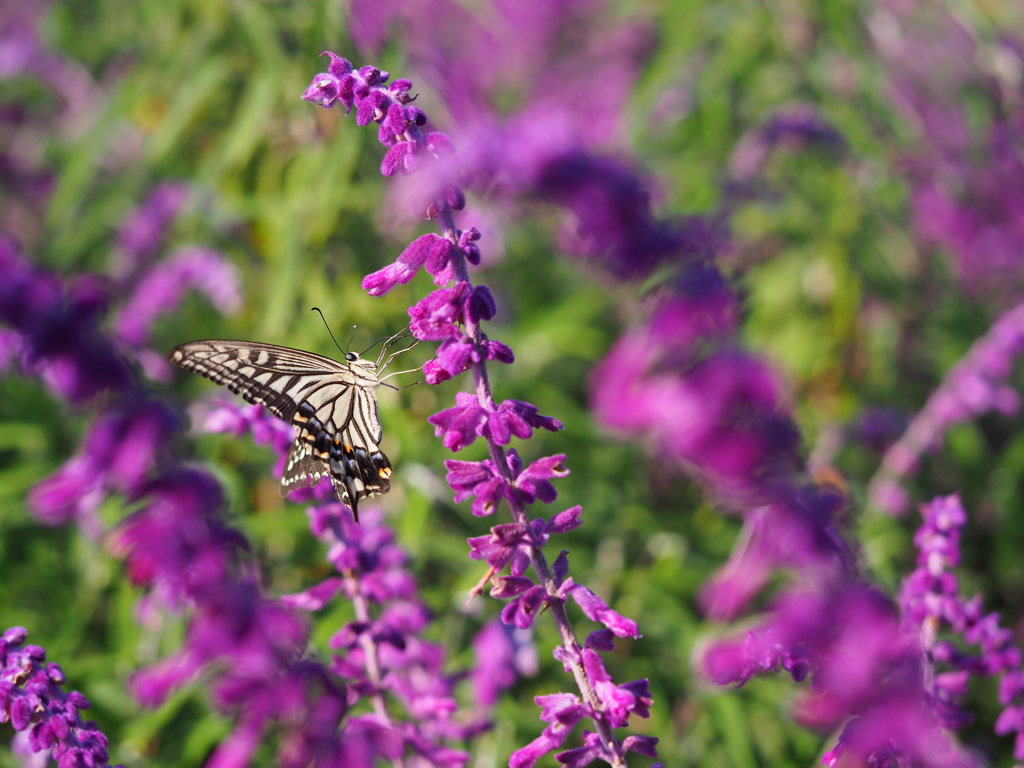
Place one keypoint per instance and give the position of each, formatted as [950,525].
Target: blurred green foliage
[837,297]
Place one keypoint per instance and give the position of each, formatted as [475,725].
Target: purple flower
[142,232]
[58,328]
[32,699]
[117,454]
[461,425]
[974,386]
[161,290]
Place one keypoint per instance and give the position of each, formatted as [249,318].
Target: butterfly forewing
[332,404]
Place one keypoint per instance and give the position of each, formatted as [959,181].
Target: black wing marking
[277,377]
[334,409]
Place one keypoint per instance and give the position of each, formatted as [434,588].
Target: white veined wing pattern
[332,404]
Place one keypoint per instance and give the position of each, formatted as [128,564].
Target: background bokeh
[862,166]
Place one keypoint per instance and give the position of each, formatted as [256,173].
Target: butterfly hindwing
[333,405]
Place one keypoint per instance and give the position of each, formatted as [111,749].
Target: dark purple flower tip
[565,520]
[439,259]
[642,745]
[597,610]
[468,245]
[372,107]
[476,478]
[455,197]
[393,127]
[515,417]
[495,350]
[506,587]
[602,640]
[523,609]
[400,86]
[14,636]
[481,304]
[560,569]
[435,317]
[415,116]
[591,750]
[373,75]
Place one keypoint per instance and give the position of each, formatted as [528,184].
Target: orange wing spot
[300,418]
[384,472]
[325,455]
[337,439]
[348,448]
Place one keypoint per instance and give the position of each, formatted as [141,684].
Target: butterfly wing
[333,405]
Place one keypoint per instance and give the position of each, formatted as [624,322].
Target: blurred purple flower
[32,700]
[143,231]
[974,386]
[792,129]
[57,323]
[161,290]
[118,453]
[967,183]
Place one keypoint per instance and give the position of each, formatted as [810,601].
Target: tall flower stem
[517,508]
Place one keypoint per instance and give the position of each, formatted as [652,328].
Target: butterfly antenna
[317,310]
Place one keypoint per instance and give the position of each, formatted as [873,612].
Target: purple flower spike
[453,316]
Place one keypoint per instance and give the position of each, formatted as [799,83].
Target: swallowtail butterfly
[332,404]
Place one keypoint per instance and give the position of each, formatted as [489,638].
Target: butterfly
[332,404]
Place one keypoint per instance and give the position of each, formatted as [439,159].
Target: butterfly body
[332,404]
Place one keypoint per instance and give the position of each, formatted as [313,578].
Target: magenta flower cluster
[33,700]
[453,316]
[946,622]
[176,544]
[381,655]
